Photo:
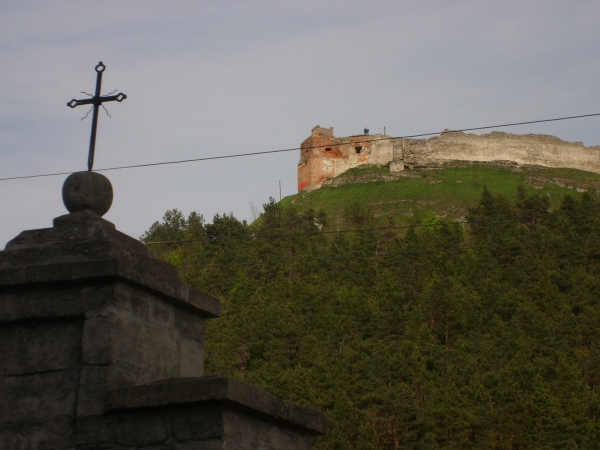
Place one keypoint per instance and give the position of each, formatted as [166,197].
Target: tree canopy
[440,335]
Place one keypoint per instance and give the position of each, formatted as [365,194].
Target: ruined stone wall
[324,156]
[526,149]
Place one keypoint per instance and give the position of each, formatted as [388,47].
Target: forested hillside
[437,335]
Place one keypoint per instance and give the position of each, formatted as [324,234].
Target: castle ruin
[324,156]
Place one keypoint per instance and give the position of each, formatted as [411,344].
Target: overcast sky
[209,78]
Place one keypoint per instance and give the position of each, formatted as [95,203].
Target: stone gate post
[102,347]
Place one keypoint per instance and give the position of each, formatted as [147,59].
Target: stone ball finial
[87,191]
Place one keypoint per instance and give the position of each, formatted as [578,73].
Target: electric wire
[208,158]
[362,230]
[382,255]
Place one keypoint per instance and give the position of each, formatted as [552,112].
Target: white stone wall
[527,149]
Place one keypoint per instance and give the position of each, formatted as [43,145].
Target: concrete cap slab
[82,246]
[217,389]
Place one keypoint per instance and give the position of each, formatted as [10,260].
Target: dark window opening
[358,149]
[328,149]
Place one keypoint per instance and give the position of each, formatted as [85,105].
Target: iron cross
[96,101]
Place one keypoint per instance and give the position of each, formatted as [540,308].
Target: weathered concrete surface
[40,347]
[82,246]
[218,389]
[205,413]
[62,367]
[39,376]
[86,311]
[214,426]
[324,156]
[49,434]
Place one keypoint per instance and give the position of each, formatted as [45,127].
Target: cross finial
[96,101]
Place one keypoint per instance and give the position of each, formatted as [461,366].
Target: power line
[381,255]
[208,158]
[362,230]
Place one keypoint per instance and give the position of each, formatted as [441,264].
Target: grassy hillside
[446,192]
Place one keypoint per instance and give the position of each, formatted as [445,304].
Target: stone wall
[525,149]
[323,156]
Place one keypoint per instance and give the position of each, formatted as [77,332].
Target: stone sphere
[87,191]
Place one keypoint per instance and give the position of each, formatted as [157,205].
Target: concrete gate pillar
[103,347]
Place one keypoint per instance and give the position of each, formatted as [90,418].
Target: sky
[212,78]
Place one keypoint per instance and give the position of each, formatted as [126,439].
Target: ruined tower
[323,156]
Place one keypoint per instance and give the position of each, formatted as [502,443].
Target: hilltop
[324,156]
[409,196]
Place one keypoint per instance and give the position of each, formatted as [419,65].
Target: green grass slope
[447,193]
